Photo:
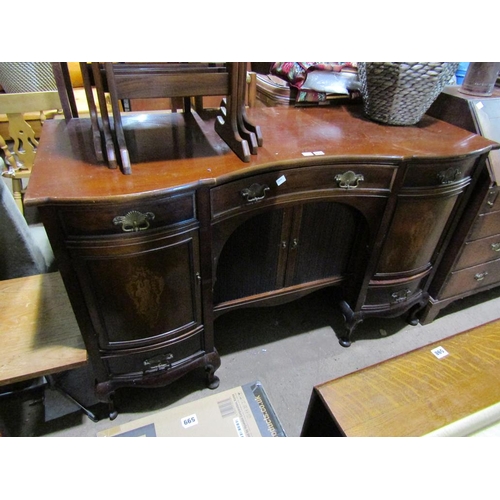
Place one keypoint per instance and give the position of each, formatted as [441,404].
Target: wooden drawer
[105,219]
[479,252]
[150,361]
[472,278]
[438,173]
[270,187]
[485,225]
[392,295]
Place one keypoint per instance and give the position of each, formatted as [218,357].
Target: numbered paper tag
[313,153]
[439,352]
[281,180]
[189,421]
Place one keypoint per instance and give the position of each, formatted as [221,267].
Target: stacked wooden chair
[19,147]
[124,81]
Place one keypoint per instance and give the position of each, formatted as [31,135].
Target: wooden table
[39,334]
[413,394]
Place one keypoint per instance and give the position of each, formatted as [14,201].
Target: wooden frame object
[157,80]
[20,158]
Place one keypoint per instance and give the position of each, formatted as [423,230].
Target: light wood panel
[38,334]
[417,393]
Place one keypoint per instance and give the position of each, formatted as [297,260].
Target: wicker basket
[399,93]
[19,77]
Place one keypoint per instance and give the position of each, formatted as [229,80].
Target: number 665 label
[189,421]
[439,352]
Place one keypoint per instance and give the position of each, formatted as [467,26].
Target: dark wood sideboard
[150,259]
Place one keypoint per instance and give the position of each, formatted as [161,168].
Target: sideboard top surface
[175,151]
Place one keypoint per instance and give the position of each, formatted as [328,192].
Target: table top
[39,333]
[416,393]
[172,151]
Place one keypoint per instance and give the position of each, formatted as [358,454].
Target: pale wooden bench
[39,334]
[418,393]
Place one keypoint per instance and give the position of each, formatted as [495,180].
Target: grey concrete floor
[289,349]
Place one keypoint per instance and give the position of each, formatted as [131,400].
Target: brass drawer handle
[254,193]
[158,363]
[134,221]
[400,296]
[349,180]
[492,196]
[481,276]
[495,247]
[450,175]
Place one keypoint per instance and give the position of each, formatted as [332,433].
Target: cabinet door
[416,229]
[140,290]
[286,247]
[425,208]
[251,261]
[322,241]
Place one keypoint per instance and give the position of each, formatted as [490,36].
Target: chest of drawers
[472,261]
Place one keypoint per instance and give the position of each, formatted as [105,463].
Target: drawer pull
[495,247]
[492,196]
[481,276]
[134,221]
[400,296]
[450,175]
[158,363]
[254,193]
[349,180]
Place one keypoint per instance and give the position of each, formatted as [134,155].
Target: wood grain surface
[39,334]
[416,393]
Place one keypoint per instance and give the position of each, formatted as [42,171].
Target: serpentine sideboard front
[150,259]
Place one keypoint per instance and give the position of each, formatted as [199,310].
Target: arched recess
[303,246]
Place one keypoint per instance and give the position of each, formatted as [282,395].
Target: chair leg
[226,124]
[17,191]
[66,95]
[126,167]
[227,127]
[54,385]
[94,122]
[246,128]
[108,138]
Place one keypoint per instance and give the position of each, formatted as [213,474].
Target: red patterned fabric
[295,74]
